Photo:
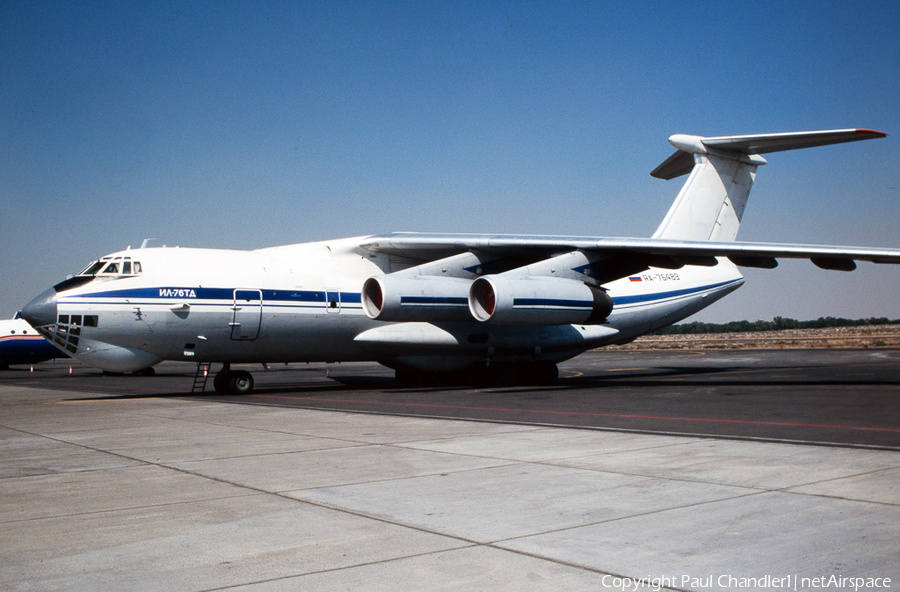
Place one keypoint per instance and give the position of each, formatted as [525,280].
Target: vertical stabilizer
[711,203]
[722,170]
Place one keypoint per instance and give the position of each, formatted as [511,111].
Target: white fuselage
[302,303]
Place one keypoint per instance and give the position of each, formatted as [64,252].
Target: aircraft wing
[630,252]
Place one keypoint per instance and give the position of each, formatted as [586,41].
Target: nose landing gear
[233,382]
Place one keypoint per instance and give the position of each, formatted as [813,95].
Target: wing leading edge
[648,252]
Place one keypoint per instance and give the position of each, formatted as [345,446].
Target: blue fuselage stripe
[316,298]
[224,295]
[657,296]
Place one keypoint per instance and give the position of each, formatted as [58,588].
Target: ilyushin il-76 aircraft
[500,308]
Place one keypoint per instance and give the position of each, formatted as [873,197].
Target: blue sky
[253,124]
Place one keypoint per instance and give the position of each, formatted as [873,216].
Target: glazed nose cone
[41,311]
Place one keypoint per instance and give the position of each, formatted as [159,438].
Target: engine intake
[537,301]
[417,298]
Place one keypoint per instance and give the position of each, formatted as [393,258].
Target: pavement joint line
[578,566]
[452,550]
[756,488]
[838,497]
[636,515]
[506,463]
[788,489]
[346,567]
[268,454]
[753,488]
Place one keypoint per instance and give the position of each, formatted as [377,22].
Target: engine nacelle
[536,300]
[416,298]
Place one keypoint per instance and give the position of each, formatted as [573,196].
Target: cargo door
[247,315]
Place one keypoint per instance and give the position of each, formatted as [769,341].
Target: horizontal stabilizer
[765,143]
[682,161]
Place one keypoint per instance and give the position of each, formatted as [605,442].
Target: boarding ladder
[201,377]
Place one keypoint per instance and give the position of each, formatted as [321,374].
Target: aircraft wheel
[240,383]
[220,382]
[544,373]
[503,374]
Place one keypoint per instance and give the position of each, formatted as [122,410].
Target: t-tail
[722,170]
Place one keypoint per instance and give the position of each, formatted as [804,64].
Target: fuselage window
[76,321]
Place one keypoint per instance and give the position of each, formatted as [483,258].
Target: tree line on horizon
[776,324]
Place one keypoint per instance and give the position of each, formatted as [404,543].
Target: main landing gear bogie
[233,382]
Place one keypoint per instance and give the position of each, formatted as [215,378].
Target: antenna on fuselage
[144,243]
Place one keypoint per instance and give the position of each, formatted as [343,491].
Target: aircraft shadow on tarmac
[312,381]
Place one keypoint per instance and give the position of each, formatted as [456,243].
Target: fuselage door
[332,301]
[247,314]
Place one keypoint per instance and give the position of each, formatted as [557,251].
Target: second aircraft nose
[41,311]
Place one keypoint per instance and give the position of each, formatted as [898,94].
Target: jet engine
[416,298]
[536,300]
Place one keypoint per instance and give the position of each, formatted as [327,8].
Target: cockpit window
[118,266]
[93,268]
